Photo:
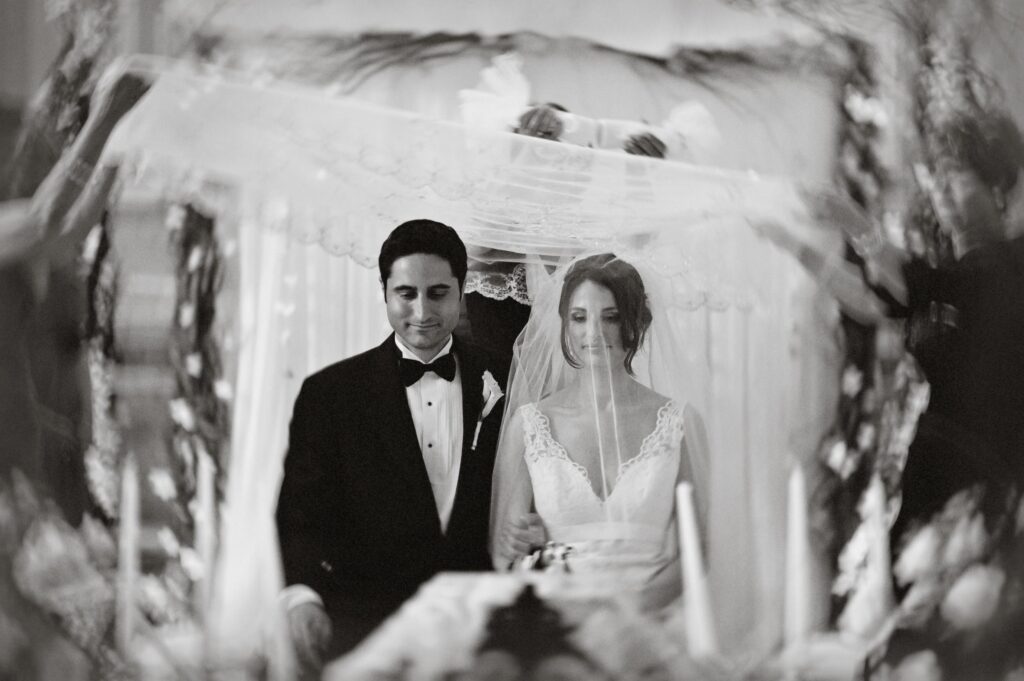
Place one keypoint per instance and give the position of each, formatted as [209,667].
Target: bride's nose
[595,332]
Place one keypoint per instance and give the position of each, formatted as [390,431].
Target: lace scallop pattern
[540,443]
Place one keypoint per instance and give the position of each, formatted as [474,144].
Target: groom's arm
[299,507]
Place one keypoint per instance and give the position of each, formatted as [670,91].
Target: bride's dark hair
[627,288]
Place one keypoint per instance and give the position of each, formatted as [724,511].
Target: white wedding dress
[628,535]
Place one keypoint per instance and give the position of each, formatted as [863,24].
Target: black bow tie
[412,370]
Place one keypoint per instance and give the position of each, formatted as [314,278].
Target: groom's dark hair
[423,236]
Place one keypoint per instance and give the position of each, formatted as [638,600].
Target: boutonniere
[492,393]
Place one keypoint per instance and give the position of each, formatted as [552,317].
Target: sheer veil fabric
[595,451]
[740,335]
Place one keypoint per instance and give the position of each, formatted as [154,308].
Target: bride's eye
[578,317]
[612,317]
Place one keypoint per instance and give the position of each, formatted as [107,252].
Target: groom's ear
[383,288]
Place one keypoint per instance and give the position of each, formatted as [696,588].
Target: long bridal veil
[671,361]
[742,334]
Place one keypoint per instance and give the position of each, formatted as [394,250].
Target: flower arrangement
[199,410]
[103,455]
[963,608]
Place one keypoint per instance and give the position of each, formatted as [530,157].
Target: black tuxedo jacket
[356,516]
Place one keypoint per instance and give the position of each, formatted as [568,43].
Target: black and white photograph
[469,340]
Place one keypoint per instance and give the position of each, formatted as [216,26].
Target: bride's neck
[604,386]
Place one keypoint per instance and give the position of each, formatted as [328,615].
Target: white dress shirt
[436,408]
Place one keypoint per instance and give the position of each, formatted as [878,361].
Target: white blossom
[168,541]
[865,436]
[853,379]
[966,543]
[222,389]
[491,393]
[920,557]
[920,666]
[186,315]
[99,542]
[974,596]
[175,218]
[162,484]
[195,258]
[919,603]
[191,563]
[867,609]
[194,364]
[852,561]
[182,414]
[837,455]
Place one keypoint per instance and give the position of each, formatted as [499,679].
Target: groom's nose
[419,308]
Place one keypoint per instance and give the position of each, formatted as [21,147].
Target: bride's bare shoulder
[649,399]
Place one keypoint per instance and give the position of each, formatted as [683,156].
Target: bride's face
[595,326]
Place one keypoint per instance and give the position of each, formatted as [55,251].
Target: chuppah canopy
[290,167]
[695,23]
[342,173]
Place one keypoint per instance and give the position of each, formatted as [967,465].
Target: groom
[387,480]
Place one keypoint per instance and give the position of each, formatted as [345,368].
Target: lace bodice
[639,504]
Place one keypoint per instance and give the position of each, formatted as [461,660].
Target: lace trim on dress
[668,429]
[540,442]
[500,286]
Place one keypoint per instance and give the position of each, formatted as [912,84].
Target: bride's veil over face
[604,350]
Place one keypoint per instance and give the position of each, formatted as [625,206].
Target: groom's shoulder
[346,371]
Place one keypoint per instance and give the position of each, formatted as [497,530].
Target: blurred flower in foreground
[919,666]
[162,484]
[973,598]
[920,557]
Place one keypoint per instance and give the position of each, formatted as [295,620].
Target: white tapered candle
[128,556]
[702,640]
[206,527]
[798,614]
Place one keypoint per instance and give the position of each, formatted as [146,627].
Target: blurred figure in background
[36,236]
[965,318]
[497,300]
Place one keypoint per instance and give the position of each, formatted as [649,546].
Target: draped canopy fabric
[626,27]
[305,177]
[342,173]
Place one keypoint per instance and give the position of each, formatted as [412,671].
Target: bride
[590,456]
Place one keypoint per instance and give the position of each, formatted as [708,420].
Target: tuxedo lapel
[393,423]
[471,375]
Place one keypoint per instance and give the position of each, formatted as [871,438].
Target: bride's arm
[511,496]
[666,585]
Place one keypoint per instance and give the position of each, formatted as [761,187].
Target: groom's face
[424,302]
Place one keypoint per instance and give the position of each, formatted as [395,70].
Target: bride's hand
[524,534]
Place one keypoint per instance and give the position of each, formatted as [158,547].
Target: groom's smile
[423,302]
